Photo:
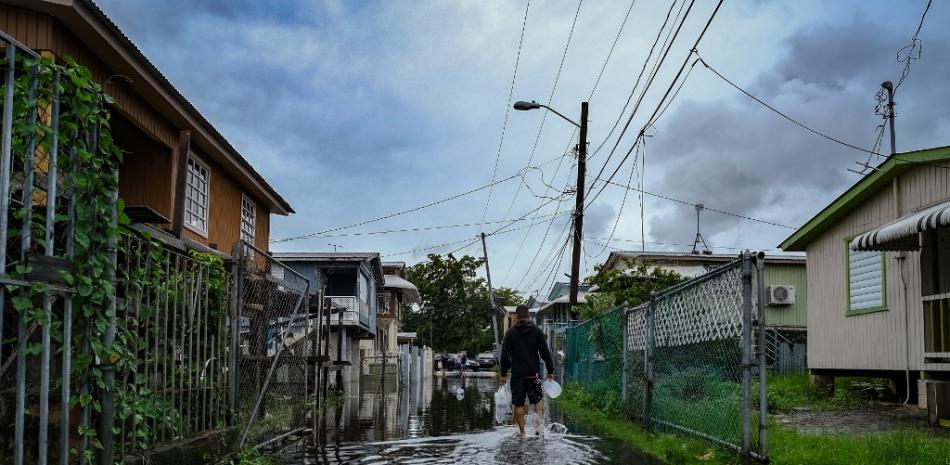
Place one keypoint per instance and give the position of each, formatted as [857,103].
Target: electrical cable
[504,124]
[665,94]
[414,209]
[684,202]
[557,78]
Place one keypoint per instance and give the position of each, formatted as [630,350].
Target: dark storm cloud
[736,155]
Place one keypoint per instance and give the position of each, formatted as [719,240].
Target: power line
[780,113]
[611,51]
[511,90]
[598,241]
[557,78]
[424,228]
[414,209]
[446,244]
[814,131]
[637,83]
[665,94]
[524,239]
[684,202]
[914,46]
[623,202]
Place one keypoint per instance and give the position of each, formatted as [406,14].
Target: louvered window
[865,281]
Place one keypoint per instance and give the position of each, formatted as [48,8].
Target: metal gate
[274,337]
[687,361]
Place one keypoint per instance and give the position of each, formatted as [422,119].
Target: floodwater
[431,423]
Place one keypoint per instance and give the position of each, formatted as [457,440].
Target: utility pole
[889,87]
[491,298]
[579,205]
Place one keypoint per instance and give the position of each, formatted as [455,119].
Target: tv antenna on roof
[699,237]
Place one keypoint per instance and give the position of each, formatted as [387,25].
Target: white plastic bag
[503,405]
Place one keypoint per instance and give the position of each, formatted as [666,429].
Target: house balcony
[352,312]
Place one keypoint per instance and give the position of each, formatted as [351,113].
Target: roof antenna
[699,237]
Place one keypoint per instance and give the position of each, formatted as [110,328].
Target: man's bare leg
[539,410]
[519,420]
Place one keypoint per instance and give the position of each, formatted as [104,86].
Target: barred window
[196,195]
[248,219]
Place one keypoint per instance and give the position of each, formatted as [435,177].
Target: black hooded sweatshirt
[519,352]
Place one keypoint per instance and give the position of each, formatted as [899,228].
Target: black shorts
[521,387]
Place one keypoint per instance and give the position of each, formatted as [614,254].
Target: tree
[455,313]
[632,286]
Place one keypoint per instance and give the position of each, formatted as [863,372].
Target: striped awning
[902,233]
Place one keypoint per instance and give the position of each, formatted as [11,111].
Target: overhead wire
[665,94]
[414,209]
[810,129]
[511,90]
[706,207]
[557,78]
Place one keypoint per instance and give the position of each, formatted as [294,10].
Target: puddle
[433,424]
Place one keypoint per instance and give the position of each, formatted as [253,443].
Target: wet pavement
[431,423]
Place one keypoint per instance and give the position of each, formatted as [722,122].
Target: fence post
[236,269]
[763,375]
[107,416]
[649,346]
[746,354]
[623,348]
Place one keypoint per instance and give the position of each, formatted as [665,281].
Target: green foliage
[629,287]
[249,456]
[597,304]
[455,313]
[587,406]
[787,446]
[788,392]
[87,173]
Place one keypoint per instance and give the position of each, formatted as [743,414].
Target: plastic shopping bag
[503,405]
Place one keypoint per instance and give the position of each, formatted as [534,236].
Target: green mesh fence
[677,363]
[595,357]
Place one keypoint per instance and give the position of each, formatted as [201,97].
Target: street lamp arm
[559,114]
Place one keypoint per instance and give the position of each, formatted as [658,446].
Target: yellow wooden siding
[150,181]
[872,341]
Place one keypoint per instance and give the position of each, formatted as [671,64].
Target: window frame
[207,207]
[847,283]
[253,240]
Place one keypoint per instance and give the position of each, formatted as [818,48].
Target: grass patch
[787,446]
[670,448]
[789,392]
[249,456]
[903,447]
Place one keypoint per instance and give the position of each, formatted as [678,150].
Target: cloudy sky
[357,110]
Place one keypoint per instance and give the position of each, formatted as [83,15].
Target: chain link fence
[687,361]
[275,335]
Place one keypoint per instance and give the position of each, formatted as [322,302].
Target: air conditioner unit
[782,294]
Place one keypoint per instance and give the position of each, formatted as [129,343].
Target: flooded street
[431,424]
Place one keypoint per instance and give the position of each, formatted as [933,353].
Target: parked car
[443,362]
[487,361]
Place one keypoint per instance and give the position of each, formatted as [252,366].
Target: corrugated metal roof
[326,256]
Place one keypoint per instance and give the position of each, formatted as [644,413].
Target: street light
[579,198]
[532,105]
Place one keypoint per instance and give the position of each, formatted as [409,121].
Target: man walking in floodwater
[521,353]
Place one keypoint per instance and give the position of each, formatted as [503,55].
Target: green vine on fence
[87,163]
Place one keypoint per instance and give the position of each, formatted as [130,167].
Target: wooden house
[352,283]
[879,277]
[180,178]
